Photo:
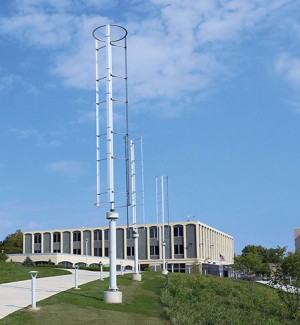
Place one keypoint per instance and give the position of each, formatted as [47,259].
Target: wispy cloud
[86,117]
[45,139]
[10,81]
[68,168]
[180,55]
[288,66]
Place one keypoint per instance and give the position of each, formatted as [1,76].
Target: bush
[3,257]
[197,299]
[28,262]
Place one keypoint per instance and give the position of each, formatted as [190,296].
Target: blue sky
[213,90]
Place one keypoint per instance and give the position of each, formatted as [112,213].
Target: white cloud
[62,5]
[178,55]
[10,81]
[294,104]
[86,117]
[46,139]
[24,133]
[69,168]
[288,67]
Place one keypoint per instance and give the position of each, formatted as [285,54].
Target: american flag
[222,258]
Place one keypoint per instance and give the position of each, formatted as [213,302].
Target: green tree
[269,255]
[3,257]
[13,243]
[250,265]
[287,281]
[28,262]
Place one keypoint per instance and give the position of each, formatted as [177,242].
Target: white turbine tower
[162,210]
[107,39]
[136,276]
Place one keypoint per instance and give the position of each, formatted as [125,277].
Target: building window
[106,234]
[153,232]
[178,231]
[129,233]
[76,236]
[97,235]
[130,251]
[56,237]
[178,249]
[37,238]
[97,251]
[106,251]
[77,251]
[56,250]
[37,251]
[154,250]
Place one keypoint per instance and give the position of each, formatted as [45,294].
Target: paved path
[17,295]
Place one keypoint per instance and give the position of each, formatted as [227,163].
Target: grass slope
[141,305]
[177,299]
[205,300]
[11,272]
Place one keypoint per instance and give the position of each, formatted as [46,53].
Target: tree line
[12,244]
[280,268]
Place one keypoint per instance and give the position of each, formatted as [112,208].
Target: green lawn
[206,300]
[11,272]
[175,299]
[141,305]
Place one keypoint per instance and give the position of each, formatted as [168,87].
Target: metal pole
[97,127]
[33,288]
[101,271]
[76,277]
[143,182]
[110,133]
[112,216]
[135,230]
[163,224]
[86,252]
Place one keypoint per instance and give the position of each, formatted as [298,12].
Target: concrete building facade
[187,244]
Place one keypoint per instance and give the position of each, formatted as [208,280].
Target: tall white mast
[143,181]
[163,227]
[160,181]
[113,295]
[136,275]
[97,126]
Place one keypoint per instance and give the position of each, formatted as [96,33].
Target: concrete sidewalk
[17,295]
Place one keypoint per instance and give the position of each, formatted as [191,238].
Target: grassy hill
[10,272]
[175,299]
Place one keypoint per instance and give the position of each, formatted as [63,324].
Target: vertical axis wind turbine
[163,242]
[136,276]
[109,37]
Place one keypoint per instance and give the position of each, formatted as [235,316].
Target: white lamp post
[86,250]
[33,289]
[121,264]
[76,277]
[101,271]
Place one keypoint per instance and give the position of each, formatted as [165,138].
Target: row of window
[98,252]
[177,230]
[154,251]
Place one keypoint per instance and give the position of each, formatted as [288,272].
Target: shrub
[28,262]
